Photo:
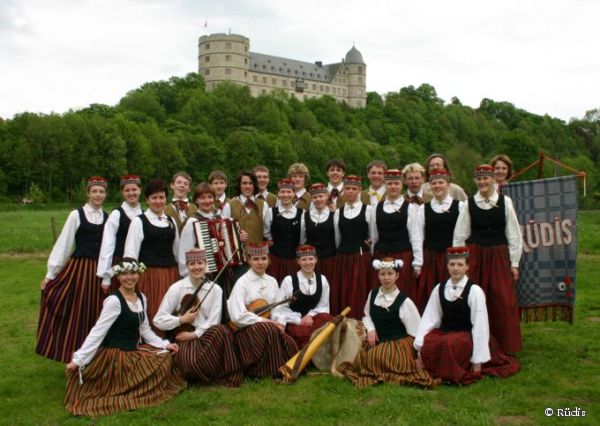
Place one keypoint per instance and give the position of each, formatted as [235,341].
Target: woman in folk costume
[204,199]
[310,308]
[284,230]
[298,173]
[180,209]
[71,292]
[206,354]
[391,320]
[353,235]
[398,233]
[320,230]
[261,343]
[153,240]
[503,171]
[116,228]
[438,218]
[113,371]
[489,225]
[453,338]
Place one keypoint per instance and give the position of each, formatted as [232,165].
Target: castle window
[255,65]
[292,83]
[264,80]
[305,97]
[289,70]
[359,92]
[245,74]
[360,70]
[207,46]
[280,69]
[301,66]
[299,85]
[303,72]
[206,72]
[344,92]
[264,67]
[320,87]
[246,61]
[274,81]
[284,83]
[327,89]
[228,57]
[228,45]
[284,64]
[207,59]
[272,68]
[255,78]
[296,72]
[311,74]
[318,75]
[360,80]
[227,71]
[245,48]
[314,87]
[264,91]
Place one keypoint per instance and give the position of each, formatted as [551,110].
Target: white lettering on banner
[536,234]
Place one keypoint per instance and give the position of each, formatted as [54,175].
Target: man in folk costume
[262,178]
[218,182]
[376,173]
[453,339]
[284,230]
[298,173]
[180,209]
[336,170]
[116,228]
[414,177]
[439,162]
[206,352]
[261,343]
[489,225]
[310,309]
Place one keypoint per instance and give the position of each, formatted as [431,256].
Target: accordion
[220,238]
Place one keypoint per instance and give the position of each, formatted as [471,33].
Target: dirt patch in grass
[593,319]
[512,420]
[24,256]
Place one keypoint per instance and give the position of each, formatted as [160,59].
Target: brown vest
[271,199]
[173,214]
[251,222]
[304,201]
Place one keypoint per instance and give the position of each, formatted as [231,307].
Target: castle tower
[357,78]
[223,57]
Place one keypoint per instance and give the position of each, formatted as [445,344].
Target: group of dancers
[128,304]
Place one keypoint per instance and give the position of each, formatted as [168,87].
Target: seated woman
[261,344]
[112,371]
[453,339]
[310,309]
[206,353]
[391,320]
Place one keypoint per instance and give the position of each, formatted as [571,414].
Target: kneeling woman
[261,343]
[453,339]
[206,354]
[111,372]
[391,320]
[310,308]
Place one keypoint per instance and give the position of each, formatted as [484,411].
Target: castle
[227,57]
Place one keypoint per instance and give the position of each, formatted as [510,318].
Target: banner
[547,212]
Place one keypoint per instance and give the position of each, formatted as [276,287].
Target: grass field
[560,364]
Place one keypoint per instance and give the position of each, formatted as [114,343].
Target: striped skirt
[435,270]
[351,286]
[211,358]
[280,267]
[406,283]
[262,349]
[387,362]
[118,380]
[70,305]
[489,267]
[301,334]
[447,356]
[154,283]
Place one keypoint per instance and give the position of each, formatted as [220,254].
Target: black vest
[124,223]
[487,226]
[305,302]
[392,229]
[124,334]
[157,246]
[321,236]
[353,232]
[456,316]
[285,234]
[387,321]
[88,237]
[439,227]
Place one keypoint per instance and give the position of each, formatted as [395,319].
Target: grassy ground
[560,364]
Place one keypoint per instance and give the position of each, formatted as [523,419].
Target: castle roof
[354,56]
[292,68]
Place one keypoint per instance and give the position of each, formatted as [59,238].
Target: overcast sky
[542,56]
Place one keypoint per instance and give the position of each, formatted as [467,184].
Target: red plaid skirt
[301,334]
[327,267]
[448,356]
[489,267]
[352,285]
[406,282]
[435,271]
[280,267]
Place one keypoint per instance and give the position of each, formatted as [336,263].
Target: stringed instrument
[263,308]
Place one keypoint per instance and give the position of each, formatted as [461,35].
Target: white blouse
[285,314]
[351,211]
[187,241]
[135,236]
[408,313]
[64,246]
[286,213]
[439,207]
[432,318]
[110,311]
[247,289]
[512,230]
[210,309]
[109,239]
[413,225]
